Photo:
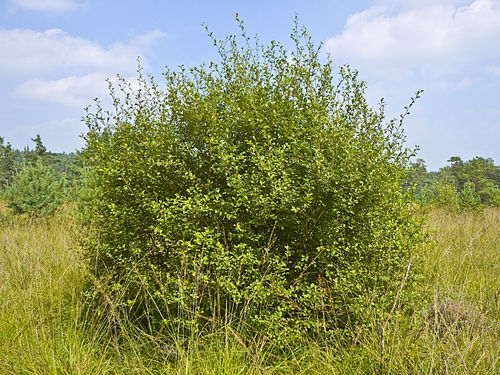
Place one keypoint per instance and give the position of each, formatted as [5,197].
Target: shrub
[469,199]
[447,196]
[490,195]
[426,195]
[36,190]
[256,190]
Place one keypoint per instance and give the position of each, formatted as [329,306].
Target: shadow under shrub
[258,191]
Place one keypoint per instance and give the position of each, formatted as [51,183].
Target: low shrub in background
[469,198]
[447,196]
[260,192]
[36,190]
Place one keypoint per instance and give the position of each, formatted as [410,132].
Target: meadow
[45,327]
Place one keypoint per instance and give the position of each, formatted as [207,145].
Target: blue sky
[56,54]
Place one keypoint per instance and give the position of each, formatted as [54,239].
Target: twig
[398,295]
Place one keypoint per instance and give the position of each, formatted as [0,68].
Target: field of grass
[45,329]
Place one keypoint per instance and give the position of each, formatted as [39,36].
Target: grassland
[45,329]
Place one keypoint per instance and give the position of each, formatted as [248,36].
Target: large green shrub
[36,190]
[259,190]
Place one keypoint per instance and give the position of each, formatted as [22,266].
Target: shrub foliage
[260,189]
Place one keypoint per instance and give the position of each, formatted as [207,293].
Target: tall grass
[41,280]
[46,329]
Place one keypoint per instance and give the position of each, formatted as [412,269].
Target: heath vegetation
[252,215]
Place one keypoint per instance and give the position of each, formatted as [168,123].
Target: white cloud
[31,53]
[53,66]
[412,4]
[494,70]
[71,91]
[146,40]
[431,37]
[46,5]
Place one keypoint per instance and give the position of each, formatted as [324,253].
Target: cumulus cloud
[30,52]
[428,36]
[46,5]
[54,66]
[71,91]
[412,4]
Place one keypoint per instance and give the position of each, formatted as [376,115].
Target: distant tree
[36,190]
[490,195]
[17,167]
[418,173]
[446,192]
[469,198]
[481,172]
[70,165]
[7,163]
[40,149]
[459,183]
[455,171]
[39,153]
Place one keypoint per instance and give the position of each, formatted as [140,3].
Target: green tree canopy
[481,172]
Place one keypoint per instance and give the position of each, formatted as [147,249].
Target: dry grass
[42,276]
[45,330]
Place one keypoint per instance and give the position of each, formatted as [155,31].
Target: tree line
[459,185]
